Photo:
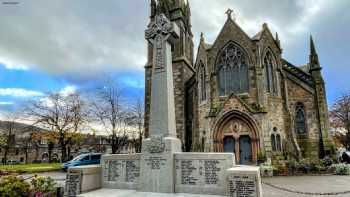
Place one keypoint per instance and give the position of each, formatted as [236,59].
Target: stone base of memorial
[157,164]
[82,179]
[244,181]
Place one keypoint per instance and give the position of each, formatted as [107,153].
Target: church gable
[231,32]
[201,53]
[266,41]
[234,103]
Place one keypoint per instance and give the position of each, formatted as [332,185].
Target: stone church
[239,95]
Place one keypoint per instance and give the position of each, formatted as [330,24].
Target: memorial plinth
[244,181]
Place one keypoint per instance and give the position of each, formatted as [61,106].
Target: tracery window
[202,83]
[232,68]
[270,78]
[300,122]
[276,141]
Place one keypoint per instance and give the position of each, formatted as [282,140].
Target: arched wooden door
[236,133]
[245,150]
[229,144]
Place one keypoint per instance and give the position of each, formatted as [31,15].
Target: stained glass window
[232,69]
[270,78]
[300,123]
[202,83]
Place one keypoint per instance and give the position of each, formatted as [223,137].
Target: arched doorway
[237,133]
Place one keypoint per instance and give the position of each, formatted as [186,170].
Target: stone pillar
[157,161]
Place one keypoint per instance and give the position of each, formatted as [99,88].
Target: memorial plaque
[244,181]
[242,186]
[155,163]
[121,171]
[211,171]
[73,184]
[132,171]
[202,173]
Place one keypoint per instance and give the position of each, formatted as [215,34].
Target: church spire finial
[202,37]
[314,61]
[229,14]
[312,46]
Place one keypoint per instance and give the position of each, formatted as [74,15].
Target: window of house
[300,123]
[270,78]
[232,70]
[43,141]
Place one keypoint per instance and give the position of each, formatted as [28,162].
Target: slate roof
[297,72]
[258,35]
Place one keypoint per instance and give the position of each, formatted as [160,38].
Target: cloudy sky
[65,45]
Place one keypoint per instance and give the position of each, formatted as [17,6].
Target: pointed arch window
[276,141]
[232,70]
[273,142]
[300,122]
[270,78]
[202,83]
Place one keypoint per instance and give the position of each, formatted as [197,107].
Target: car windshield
[78,157]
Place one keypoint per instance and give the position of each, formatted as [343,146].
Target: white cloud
[81,39]
[86,39]
[70,89]
[6,103]
[19,92]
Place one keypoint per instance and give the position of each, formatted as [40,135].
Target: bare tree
[61,115]
[137,124]
[340,118]
[111,112]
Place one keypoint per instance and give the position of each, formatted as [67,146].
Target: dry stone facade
[249,99]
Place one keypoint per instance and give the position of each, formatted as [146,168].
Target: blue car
[83,159]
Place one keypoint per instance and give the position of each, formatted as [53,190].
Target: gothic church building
[240,96]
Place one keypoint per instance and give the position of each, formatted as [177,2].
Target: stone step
[133,193]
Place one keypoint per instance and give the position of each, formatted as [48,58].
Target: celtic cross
[229,14]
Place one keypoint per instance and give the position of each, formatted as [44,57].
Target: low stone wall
[202,173]
[121,171]
[82,179]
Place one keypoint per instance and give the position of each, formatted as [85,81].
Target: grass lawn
[29,168]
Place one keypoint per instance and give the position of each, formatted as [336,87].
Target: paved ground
[313,184]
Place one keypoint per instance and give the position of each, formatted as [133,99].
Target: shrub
[317,166]
[266,170]
[342,169]
[261,156]
[327,161]
[42,185]
[11,186]
[303,166]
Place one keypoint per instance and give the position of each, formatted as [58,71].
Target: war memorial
[162,169]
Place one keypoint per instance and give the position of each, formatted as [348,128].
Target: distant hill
[18,128]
